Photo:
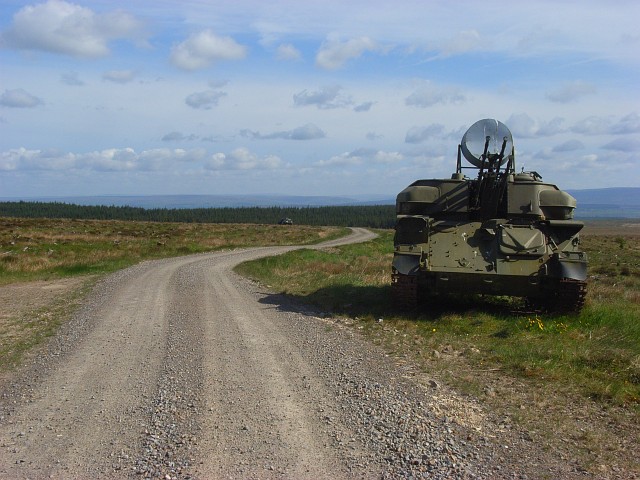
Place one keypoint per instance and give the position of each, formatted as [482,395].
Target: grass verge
[572,383]
[42,249]
[595,353]
[47,250]
[29,327]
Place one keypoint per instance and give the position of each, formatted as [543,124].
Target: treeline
[372,216]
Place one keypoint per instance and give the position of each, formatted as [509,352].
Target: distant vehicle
[502,233]
[285,221]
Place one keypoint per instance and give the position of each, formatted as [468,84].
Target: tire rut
[120,392]
[265,402]
[180,369]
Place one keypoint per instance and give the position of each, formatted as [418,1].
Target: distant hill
[212,201]
[608,196]
[592,203]
[607,202]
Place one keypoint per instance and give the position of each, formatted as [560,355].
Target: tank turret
[498,232]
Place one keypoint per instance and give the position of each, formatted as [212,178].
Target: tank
[496,232]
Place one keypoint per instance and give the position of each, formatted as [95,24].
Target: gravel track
[179,368]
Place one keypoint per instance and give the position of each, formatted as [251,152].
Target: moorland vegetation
[546,372]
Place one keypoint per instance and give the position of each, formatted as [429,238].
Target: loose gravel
[180,369]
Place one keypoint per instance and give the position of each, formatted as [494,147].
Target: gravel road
[179,368]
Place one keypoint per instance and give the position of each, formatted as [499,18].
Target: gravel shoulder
[179,368]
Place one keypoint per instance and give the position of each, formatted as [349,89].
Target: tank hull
[537,259]
[502,233]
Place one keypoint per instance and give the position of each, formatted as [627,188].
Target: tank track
[566,296]
[404,290]
[571,295]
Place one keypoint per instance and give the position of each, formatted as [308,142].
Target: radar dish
[474,140]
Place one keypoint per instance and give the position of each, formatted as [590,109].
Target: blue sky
[309,98]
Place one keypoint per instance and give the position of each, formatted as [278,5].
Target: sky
[159,97]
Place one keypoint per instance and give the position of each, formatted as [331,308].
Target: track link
[404,289]
[571,295]
[566,296]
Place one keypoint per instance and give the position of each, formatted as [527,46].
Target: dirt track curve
[181,369]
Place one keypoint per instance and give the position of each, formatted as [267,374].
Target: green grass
[40,249]
[45,249]
[595,353]
[19,334]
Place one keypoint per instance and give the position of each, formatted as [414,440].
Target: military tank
[498,233]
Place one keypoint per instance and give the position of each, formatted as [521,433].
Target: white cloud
[156,158]
[363,107]
[429,95]
[591,158]
[42,160]
[463,42]
[522,125]
[204,48]
[119,76]
[242,159]
[627,124]
[568,146]
[212,138]
[216,161]
[571,92]
[538,39]
[325,98]
[361,156]
[61,27]
[72,79]
[19,98]
[334,54]
[204,100]
[178,137]
[433,162]
[387,157]
[306,132]
[630,145]
[23,159]
[216,84]
[309,131]
[286,51]
[596,125]
[384,78]
[592,125]
[420,134]
[552,127]
[556,163]
[108,160]
[341,160]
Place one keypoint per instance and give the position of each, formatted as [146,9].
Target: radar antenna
[488,145]
[484,144]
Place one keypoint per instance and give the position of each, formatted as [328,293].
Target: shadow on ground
[376,302]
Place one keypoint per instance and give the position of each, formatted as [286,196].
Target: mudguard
[406,264]
[570,267]
[575,270]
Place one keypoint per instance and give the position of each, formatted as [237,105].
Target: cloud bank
[203,49]
[66,28]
